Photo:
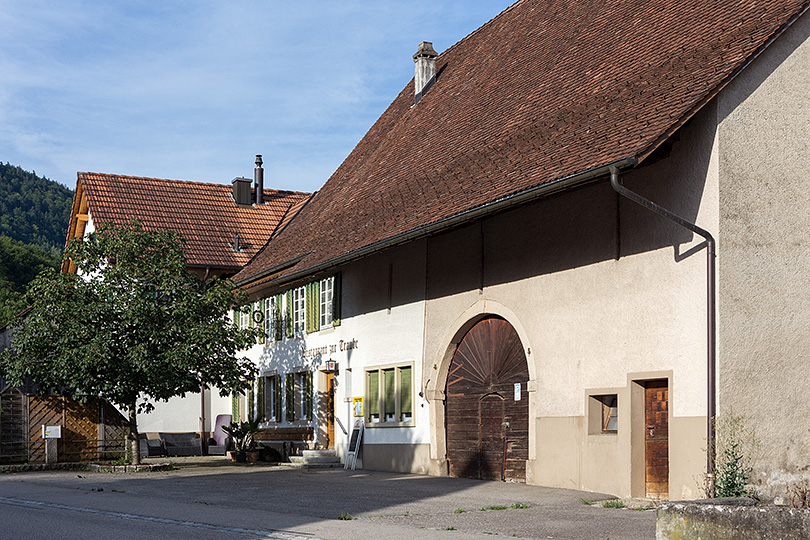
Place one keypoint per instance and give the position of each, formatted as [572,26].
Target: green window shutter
[289,322]
[389,387]
[289,392]
[236,317]
[278,322]
[373,405]
[235,406]
[308,309]
[261,338]
[336,301]
[308,395]
[405,385]
[260,413]
[277,398]
[250,401]
[313,306]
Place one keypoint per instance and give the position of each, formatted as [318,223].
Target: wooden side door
[491,438]
[656,438]
[330,410]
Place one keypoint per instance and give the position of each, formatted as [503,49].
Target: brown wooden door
[491,438]
[487,428]
[330,410]
[656,437]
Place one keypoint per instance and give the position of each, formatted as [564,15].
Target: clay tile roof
[205,214]
[545,90]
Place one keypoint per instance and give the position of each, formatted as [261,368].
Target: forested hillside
[34,215]
[33,210]
[19,264]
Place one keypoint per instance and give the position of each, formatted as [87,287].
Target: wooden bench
[289,441]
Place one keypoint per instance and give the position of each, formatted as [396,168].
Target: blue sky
[193,90]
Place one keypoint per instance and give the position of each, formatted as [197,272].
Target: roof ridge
[480,28]
[85,174]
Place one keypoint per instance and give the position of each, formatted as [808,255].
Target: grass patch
[449,528]
[613,503]
[459,511]
[517,505]
[345,517]
[589,502]
[494,507]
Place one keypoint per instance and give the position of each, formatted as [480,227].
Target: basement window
[603,414]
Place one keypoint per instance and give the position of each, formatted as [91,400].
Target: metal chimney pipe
[258,177]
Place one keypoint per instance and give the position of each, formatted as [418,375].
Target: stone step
[318,453]
[311,460]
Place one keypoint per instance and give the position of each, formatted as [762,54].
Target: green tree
[133,326]
[19,264]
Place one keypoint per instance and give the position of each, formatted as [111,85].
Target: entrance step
[316,458]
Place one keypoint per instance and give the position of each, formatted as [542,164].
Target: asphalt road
[206,498]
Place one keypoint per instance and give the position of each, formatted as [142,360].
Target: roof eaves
[465,216]
[272,270]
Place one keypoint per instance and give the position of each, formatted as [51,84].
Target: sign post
[51,434]
[354,443]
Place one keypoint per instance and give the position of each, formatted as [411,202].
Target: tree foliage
[134,325]
[33,210]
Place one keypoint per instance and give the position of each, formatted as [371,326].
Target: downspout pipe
[711,323]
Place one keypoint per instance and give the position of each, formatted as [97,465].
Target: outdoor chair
[150,447]
[218,442]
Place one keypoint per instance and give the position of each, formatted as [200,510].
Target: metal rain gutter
[711,324]
[457,219]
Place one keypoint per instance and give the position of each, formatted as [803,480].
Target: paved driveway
[207,497]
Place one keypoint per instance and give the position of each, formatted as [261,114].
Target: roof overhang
[472,214]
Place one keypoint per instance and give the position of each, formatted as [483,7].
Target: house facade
[473,277]
[223,227]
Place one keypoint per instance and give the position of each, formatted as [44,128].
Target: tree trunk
[133,435]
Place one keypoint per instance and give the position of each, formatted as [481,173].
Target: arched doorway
[487,406]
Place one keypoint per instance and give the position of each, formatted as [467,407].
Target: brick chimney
[425,70]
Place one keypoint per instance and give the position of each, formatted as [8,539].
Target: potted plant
[242,434]
[251,428]
[238,436]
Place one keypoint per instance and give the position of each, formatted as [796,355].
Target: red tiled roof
[547,89]
[205,214]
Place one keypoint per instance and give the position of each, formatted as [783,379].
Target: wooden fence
[91,431]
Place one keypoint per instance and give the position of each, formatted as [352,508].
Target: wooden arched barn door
[487,414]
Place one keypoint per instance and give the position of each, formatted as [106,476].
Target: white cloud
[194,89]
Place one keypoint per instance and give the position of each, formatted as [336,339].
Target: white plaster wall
[588,320]
[182,414]
[764,315]
[384,337]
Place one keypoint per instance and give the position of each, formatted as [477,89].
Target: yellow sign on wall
[357,406]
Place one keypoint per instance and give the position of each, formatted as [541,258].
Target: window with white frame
[244,316]
[299,311]
[298,398]
[389,395]
[272,398]
[327,287]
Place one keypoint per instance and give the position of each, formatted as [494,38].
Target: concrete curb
[92,467]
